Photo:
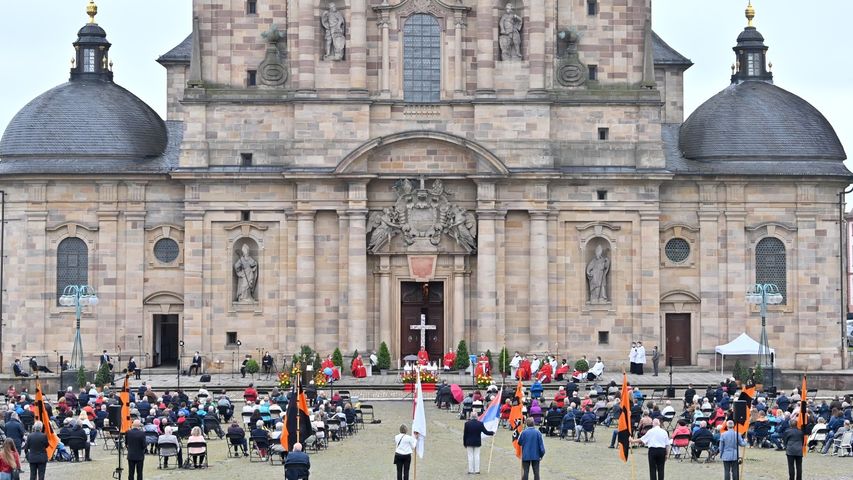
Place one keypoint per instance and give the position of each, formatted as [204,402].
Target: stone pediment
[422,216]
[432,7]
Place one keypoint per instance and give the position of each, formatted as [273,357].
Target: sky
[804,39]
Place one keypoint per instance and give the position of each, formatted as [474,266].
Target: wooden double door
[678,339]
[416,299]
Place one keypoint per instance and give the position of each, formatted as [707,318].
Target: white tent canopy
[742,345]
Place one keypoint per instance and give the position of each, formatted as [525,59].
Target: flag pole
[296,399]
[492,449]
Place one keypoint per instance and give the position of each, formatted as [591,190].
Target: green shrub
[503,362]
[758,374]
[384,360]
[337,358]
[252,367]
[81,377]
[582,365]
[104,375]
[739,372]
[489,358]
[462,360]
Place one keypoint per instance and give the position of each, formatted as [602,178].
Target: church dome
[757,120]
[90,116]
[85,118]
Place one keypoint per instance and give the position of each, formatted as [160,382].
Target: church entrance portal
[165,340]
[678,338]
[417,299]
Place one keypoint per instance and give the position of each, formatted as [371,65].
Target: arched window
[421,59]
[771,265]
[72,264]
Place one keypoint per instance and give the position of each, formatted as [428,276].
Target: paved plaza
[368,455]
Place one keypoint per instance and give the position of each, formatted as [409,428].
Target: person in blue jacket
[532,450]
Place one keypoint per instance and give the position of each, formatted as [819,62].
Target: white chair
[843,443]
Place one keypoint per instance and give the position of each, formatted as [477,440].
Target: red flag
[40,413]
[124,397]
[624,429]
[802,421]
[516,419]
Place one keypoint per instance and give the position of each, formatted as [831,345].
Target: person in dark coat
[472,441]
[297,465]
[37,452]
[15,430]
[135,439]
[793,440]
[532,450]
[19,372]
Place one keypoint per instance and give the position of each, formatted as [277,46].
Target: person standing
[655,360]
[657,440]
[532,450]
[37,451]
[472,441]
[632,358]
[641,357]
[135,440]
[405,445]
[9,460]
[793,440]
[730,441]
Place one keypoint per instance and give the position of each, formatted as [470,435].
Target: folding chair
[202,445]
[164,453]
[258,449]
[235,444]
[684,439]
[844,444]
[666,420]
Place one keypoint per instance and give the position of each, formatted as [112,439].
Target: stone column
[191,329]
[809,328]
[357,48]
[536,47]
[357,260]
[307,46]
[134,285]
[650,276]
[736,263]
[486,328]
[31,327]
[384,24]
[459,76]
[538,310]
[458,300]
[305,292]
[485,48]
[385,301]
[709,268]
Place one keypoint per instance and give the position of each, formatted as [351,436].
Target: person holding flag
[516,418]
[297,421]
[795,440]
[40,414]
[472,440]
[623,435]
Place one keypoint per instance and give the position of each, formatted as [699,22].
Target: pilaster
[538,312]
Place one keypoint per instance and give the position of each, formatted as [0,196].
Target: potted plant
[384,360]
[104,376]
[252,367]
[338,358]
[462,362]
[582,365]
[503,363]
[739,373]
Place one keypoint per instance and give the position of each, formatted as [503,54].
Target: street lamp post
[78,296]
[764,294]
[180,354]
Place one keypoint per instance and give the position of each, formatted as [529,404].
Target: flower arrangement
[412,377]
[484,380]
[320,380]
[284,380]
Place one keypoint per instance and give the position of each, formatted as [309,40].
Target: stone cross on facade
[423,327]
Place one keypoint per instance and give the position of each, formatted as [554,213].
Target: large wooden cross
[423,327]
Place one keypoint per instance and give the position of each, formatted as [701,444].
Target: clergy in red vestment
[560,397]
[544,373]
[484,360]
[423,356]
[562,371]
[449,359]
[328,363]
[358,370]
[523,372]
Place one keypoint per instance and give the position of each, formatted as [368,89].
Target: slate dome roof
[85,118]
[758,120]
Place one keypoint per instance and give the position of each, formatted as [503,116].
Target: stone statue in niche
[334,27]
[596,274]
[509,34]
[272,70]
[246,269]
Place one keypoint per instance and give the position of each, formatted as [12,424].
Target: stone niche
[598,271]
[245,292]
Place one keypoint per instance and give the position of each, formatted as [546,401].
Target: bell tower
[751,53]
[91,49]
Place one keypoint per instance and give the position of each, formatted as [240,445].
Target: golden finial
[91,10]
[750,13]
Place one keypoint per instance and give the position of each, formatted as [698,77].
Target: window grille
[421,59]
[72,264]
[166,250]
[771,265]
[677,250]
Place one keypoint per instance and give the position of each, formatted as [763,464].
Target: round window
[677,250]
[166,250]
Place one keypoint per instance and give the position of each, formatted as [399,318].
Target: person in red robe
[449,359]
[358,370]
[560,397]
[423,356]
[523,372]
[328,363]
[544,373]
[562,371]
[484,361]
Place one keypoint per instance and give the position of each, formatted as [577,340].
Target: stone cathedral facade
[334,173]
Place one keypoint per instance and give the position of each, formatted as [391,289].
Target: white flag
[419,421]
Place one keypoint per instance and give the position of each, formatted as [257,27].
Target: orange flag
[40,413]
[624,429]
[747,394]
[516,419]
[802,421]
[124,396]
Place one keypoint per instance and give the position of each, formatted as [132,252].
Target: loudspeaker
[204,378]
[114,415]
[740,411]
